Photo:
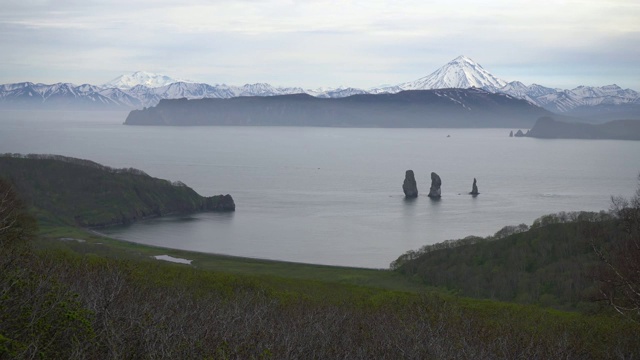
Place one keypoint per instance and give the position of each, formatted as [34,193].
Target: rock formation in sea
[474,189]
[434,191]
[511,133]
[519,133]
[410,187]
[219,203]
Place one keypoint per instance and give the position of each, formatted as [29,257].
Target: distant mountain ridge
[548,128]
[144,89]
[462,108]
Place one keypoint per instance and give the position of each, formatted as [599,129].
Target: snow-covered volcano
[461,73]
[148,79]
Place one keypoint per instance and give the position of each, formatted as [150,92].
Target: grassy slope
[107,247]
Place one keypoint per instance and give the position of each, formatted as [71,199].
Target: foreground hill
[550,263]
[81,192]
[470,108]
[548,128]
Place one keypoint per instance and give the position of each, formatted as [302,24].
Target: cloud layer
[320,42]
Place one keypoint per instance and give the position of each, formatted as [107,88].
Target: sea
[334,195]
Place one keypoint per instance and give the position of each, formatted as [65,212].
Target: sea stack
[474,189]
[511,133]
[219,203]
[434,191]
[410,187]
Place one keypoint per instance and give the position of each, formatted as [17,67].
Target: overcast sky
[313,43]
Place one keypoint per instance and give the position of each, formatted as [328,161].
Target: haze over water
[334,195]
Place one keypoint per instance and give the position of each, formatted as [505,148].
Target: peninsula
[548,128]
[70,191]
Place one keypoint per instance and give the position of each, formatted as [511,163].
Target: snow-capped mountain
[565,101]
[61,95]
[459,73]
[148,79]
[145,89]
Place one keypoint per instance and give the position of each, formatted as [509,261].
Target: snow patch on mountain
[148,79]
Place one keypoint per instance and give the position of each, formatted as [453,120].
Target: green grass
[92,243]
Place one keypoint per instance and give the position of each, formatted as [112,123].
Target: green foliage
[79,192]
[39,316]
[16,225]
[162,310]
[618,273]
[547,264]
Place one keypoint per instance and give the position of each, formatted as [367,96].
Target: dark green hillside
[549,264]
[80,192]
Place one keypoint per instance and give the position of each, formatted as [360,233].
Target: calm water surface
[333,195]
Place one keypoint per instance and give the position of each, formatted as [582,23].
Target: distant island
[65,191]
[455,108]
[548,128]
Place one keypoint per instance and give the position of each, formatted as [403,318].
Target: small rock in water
[434,191]
[474,189]
[410,187]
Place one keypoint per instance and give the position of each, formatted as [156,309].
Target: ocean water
[334,195]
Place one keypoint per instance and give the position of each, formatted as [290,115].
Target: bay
[334,195]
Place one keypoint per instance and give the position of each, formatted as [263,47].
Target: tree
[619,273]
[16,225]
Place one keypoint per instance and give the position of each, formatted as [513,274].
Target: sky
[320,43]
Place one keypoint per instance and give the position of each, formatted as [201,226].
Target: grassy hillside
[71,191]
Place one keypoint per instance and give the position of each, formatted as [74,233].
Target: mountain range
[143,89]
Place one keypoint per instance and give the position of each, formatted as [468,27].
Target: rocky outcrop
[519,133]
[511,133]
[219,203]
[434,190]
[474,188]
[410,187]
